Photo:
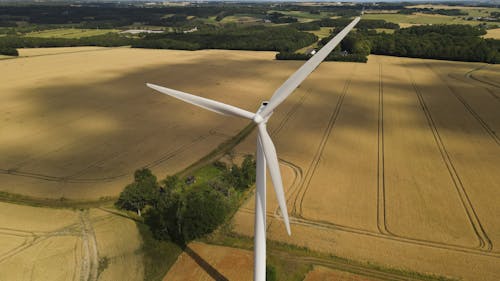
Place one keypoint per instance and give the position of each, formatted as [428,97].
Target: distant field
[472,11]
[241,18]
[303,16]
[70,33]
[30,52]
[420,19]
[493,33]
[323,32]
[386,30]
[63,245]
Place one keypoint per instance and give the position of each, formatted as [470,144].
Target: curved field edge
[63,202]
[280,254]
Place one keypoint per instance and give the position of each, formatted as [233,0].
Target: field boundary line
[485,242]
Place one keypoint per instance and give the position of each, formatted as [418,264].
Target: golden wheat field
[78,124]
[393,162]
[51,244]
[393,156]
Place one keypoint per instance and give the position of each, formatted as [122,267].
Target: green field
[69,33]
[420,19]
[303,16]
[240,18]
[472,11]
[323,32]
[386,30]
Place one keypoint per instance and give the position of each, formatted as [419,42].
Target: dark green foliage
[7,51]
[446,12]
[141,192]
[342,22]
[203,209]
[171,182]
[163,218]
[165,44]
[271,273]
[449,42]
[259,38]
[106,40]
[181,213]
[276,17]
[241,178]
[291,56]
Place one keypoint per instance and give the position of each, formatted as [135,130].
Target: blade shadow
[209,269]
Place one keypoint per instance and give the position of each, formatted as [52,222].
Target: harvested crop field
[320,273]
[392,162]
[49,244]
[208,262]
[79,124]
[393,156]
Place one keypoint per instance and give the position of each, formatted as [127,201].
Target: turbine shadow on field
[209,269]
[79,135]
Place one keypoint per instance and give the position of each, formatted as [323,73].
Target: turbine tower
[266,152]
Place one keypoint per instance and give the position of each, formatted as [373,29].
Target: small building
[194,29]
[310,52]
[139,31]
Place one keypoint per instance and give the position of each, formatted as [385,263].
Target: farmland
[418,18]
[69,33]
[84,138]
[394,163]
[358,183]
[49,244]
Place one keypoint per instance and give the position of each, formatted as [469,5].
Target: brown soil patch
[208,262]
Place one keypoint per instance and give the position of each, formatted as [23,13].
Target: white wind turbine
[265,147]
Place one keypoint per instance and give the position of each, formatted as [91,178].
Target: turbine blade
[301,74]
[208,104]
[274,171]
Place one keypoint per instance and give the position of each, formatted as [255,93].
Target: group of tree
[342,22]
[445,12]
[9,44]
[258,38]
[447,42]
[276,17]
[181,212]
[355,48]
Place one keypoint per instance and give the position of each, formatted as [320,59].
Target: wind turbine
[266,151]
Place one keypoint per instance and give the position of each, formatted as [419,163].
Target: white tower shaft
[260,216]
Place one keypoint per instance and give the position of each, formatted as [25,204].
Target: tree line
[258,38]
[181,210]
[446,42]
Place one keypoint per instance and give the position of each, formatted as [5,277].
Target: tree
[203,209]
[140,193]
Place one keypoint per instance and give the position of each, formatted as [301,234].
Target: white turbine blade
[301,74]
[274,171]
[208,104]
